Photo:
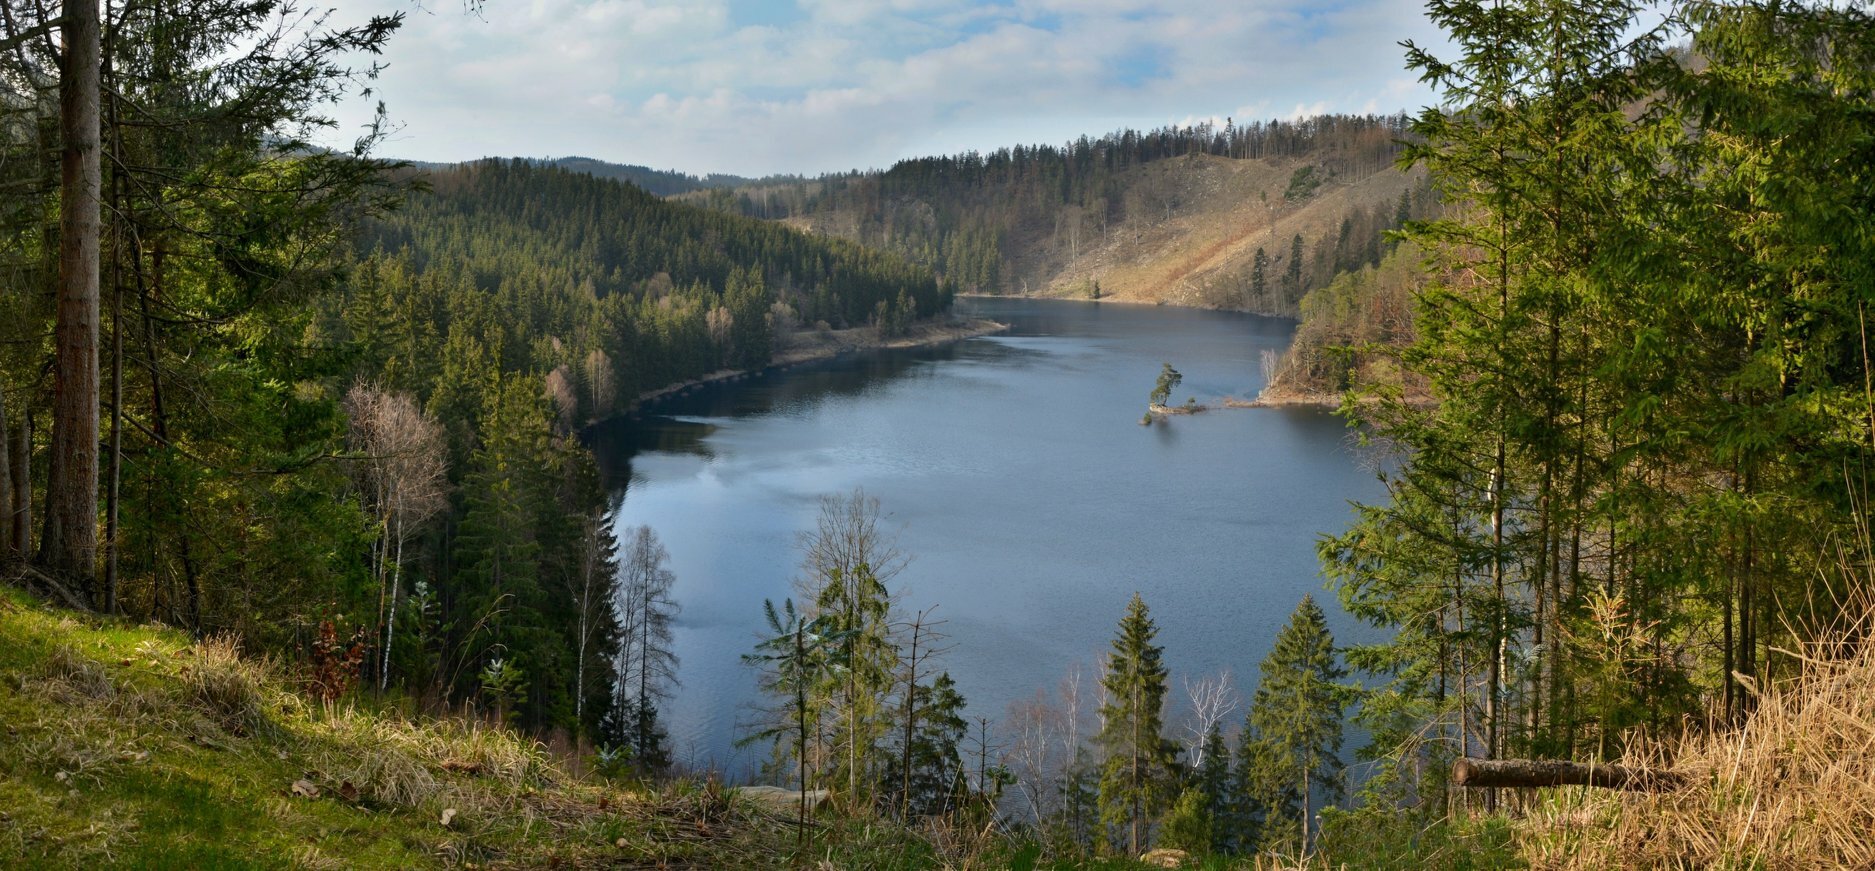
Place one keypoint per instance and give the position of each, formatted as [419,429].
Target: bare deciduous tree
[846,536]
[601,382]
[1045,745]
[1213,699]
[644,660]
[722,327]
[404,477]
[926,642]
[559,389]
[1033,755]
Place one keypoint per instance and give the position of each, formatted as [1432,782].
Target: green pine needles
[1137,780]
[1296,717]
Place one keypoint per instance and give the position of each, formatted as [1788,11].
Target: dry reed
[1791,787]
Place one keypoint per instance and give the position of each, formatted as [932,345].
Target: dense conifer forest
[662,182]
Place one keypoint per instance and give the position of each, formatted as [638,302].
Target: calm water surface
[1017,475]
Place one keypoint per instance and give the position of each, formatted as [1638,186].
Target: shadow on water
[615,442]
[681,423]
[1166,430]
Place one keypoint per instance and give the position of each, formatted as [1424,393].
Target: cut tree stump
[1531,773]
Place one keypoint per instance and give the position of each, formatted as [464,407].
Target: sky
[754,87]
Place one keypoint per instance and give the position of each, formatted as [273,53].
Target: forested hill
[663,182]
[624,291]
[1249,217]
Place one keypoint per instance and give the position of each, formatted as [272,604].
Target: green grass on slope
[135,747]
[126,746]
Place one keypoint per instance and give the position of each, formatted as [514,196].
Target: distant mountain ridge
[661,182]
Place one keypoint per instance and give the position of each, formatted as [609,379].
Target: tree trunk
[800,712]
[1307,801]
[114,484]
[390,624]
[70,545]
[22,456]
[1530,773]
[114,475]
[911,719]
[6,484]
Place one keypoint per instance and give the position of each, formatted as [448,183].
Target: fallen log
[32,578]
[781,799]
[1531,773]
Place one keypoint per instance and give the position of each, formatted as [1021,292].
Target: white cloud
[860,83]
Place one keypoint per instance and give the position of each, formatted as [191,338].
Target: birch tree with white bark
[403,473]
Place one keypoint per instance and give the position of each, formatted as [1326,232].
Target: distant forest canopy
[664,290]
[663,182]
[1059,220]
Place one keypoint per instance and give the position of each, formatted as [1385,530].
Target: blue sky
[762,86]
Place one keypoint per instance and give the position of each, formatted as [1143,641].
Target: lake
[1019,479]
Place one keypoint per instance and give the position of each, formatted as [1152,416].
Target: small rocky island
[1169,379]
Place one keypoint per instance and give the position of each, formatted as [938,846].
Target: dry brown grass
[231,690]
[404,763]
[1794,787]
[74,677]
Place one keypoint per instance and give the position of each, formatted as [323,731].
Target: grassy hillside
[132,746]
[1189,235]
[1790,786]
[1196,242]
[1174,216]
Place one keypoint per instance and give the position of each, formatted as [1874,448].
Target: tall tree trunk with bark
[71,537]
[21,455]
[6,484]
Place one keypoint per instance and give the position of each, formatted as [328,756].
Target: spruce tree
[1298,704]
[1292,273]
[847,562]
[1136,779]
[798,654]
[1215,781]
[856,604]
[936,774]
[1265,804]
[1259,277]
[510,506]
[1188,825]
